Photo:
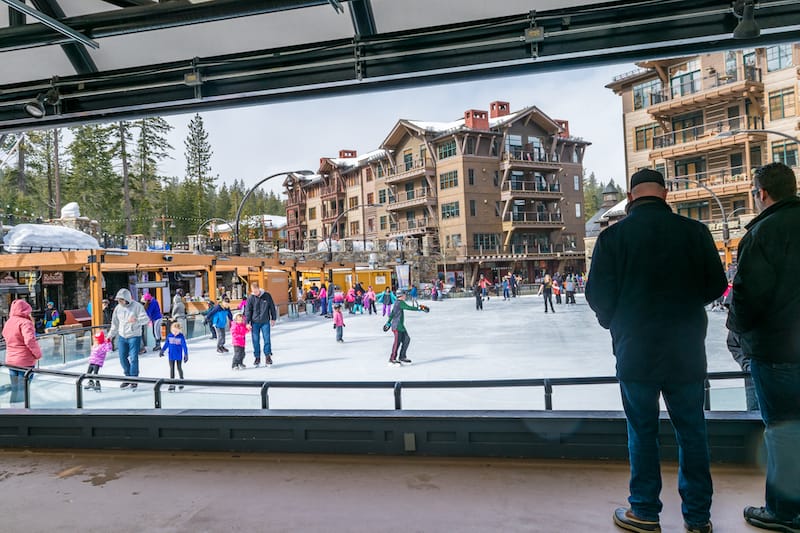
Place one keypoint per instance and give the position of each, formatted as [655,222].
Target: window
[450,210]
[448,180]
[472,208]
[312,234]
[688,127]
[730,64]
[382,223]
[646,94]
[355,227]
[497,209]
[513,143]
[576,156]
[382,196]
[537,149]
[471,176]
[785,152]
[379,171]
[485,241]
[408,160]
[576,182]
[470,148]
[370,197]
[695,210]
[577,210]
[368,174]
[781,104]
[423,153]
[685,79]
[646,134]
[352,202]
[312,213]
[447,149]
[779,57]
[496,178]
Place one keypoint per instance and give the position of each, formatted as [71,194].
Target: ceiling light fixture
[36,107]
[747,27]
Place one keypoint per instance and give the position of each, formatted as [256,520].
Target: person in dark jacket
[765,314]
[260,314]
[652,275]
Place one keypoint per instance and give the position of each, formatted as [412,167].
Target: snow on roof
[617,210]
[24,238]
[351,162]
[455,125]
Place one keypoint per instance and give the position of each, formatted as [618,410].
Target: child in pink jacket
[100,348]
[239,336]
[338,322]
[22,348]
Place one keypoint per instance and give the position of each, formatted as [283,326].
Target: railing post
[265,395]
[27,378]
[79,392]
[157,393]
[548,395]
[707,395]
[398,399]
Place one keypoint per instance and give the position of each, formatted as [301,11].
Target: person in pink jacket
[239,336]
[100,348]
[338,322]
[22,348]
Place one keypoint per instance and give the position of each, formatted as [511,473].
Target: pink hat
[100,336]
[147,297]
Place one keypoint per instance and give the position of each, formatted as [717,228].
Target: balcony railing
[410,225]
[331,190]
[712,81]
[530,186]
[408,169]
[542,218]
[530,156]
[710,178]
[706,131]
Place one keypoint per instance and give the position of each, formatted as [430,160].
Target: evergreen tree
[592,196]
[198,164]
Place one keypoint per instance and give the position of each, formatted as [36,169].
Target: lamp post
[237,245]
[335,224]
[164,219]
[726,234]
[202,224]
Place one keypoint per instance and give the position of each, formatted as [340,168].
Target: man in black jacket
[765,314]
[260,314]
[651,276]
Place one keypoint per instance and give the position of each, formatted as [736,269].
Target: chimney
[499,109]
[476,120]
[347,154]
[564,125]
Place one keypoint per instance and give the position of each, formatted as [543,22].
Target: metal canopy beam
[77,54]
[363,19]
[467,51]
[51,23]
[130,3]
[146,18]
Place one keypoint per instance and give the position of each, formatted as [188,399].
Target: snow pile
[71,210]
[24,238]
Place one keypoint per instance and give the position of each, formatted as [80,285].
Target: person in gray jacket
[179,310]
[126,324]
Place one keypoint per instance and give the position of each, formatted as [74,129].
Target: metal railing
[545,218]
[397,387]
[530,186]
[709,178]
[696,85]
[706,131]
[532,156]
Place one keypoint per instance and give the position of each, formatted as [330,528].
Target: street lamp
[335,224]
[726,234]
[202,224]
[164,219]
[237,245]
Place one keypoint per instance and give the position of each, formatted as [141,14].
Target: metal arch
[363,18]
[77,54]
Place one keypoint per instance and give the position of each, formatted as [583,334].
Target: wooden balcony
[514,221]
[532,190]
[523,160]
[417,226]
[409,171]
[706,137]
[409,199]
[725,182]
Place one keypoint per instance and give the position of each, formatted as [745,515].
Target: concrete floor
[121,492]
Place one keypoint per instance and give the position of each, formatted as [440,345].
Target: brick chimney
[347,154]
[499,109]
[476,119]
[564,125]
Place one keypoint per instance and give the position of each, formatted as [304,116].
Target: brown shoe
[625,519]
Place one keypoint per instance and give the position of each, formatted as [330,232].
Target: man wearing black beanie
[652,274]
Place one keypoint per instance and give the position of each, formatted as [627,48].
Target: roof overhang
[175,57]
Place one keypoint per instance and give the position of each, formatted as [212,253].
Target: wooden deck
[122,492]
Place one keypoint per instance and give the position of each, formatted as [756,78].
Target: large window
[646,134]
[731,69]
[312,213]
[779,57]
[472,208]
[370,198]
[785,152]
[513,143]
[355,227]
[781,104]
[576,182]
[382,196]
[352,202]
[450,210]
[382,223]
[485,241]
[448,180]
[408,159]
[447,149]
[577,210]
[470,147]
[471,176]
[643,93]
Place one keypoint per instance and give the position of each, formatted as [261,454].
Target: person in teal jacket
[396,322]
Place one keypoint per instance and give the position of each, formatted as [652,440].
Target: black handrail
[396,386]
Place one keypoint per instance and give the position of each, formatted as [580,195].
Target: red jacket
[22,348]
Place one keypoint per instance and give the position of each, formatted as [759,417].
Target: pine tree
[152,147]
[592,196]
[198,164]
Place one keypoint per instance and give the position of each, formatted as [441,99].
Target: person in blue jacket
[176,347]
[220,317]
[153,310]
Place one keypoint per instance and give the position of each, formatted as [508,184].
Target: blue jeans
[261,329]
[684,403]
[778,390]
[17,379]
[129,354]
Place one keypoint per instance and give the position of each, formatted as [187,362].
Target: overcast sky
[254,142]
